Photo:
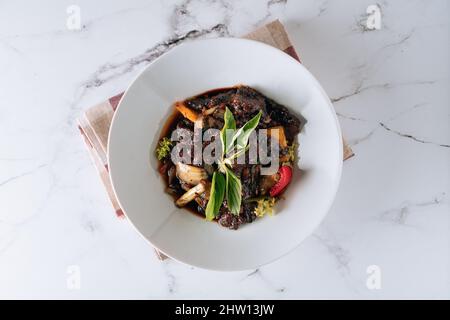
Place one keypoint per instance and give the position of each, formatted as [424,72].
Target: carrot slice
[186,112]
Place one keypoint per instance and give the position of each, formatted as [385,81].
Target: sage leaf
[243,134]
[216,195]
[229,124]
[234,189]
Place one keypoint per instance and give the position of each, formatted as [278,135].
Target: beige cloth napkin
[95,122]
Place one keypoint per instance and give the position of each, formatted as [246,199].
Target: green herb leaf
[243,134]
[236,154]
[234,189]
[216,195]
[230,124]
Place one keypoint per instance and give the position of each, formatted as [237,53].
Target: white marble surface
[390,88]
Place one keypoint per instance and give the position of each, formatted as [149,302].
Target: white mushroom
[190,174]
[191,194]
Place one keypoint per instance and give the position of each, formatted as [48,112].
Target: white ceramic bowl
[193,68]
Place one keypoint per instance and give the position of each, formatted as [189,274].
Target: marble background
[389,87]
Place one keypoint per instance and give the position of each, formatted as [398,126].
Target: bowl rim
[323,94]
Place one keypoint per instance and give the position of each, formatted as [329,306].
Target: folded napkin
[95,122]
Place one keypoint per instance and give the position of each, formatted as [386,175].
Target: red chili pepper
[285,173]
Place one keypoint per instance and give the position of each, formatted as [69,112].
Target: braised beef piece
[280,115]
[249,175]
[197,103]
[214,120]
[231,221]
[210,99]
[171,175]
[222,99]
[245,104]
[184,123]
[248,211]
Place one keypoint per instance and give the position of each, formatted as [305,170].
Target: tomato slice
[285,173]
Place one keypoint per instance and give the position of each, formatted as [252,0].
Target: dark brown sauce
[171,123]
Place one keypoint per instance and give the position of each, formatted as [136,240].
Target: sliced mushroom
[190,174]
[191,194]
